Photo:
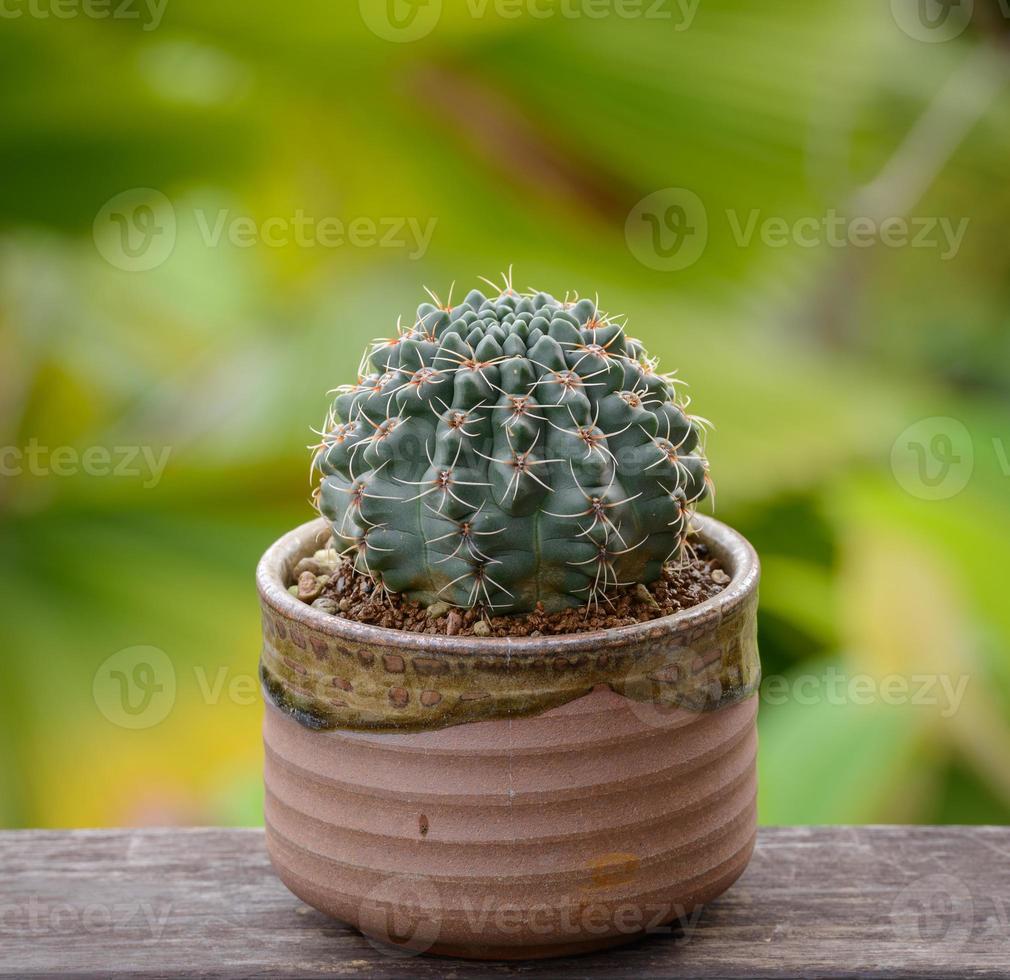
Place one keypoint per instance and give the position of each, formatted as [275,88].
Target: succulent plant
[507,451]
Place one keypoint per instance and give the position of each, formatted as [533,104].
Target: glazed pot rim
[733,550]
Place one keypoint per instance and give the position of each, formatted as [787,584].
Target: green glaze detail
[328,682]
[508,451]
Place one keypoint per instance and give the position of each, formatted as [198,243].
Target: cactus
[509,451]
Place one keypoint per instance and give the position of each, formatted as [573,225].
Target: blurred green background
[168,283]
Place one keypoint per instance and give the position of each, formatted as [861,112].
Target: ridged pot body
[571,829]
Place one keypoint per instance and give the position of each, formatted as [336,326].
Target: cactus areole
[510,450]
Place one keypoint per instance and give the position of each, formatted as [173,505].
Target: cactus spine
[507,451]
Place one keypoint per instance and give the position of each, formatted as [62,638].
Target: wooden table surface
[815,902]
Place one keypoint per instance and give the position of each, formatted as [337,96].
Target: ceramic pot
[510,798]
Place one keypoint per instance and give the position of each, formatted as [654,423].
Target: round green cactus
[509,451]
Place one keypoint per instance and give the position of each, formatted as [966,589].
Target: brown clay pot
[563,794]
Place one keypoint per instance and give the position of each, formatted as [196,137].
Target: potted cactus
[498,723]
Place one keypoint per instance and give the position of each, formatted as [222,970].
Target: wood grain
[815,902]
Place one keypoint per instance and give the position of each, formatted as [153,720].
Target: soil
[346,593]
